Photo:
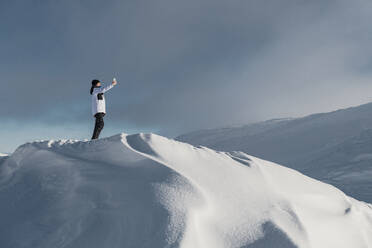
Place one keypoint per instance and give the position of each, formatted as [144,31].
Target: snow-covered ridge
[145,190]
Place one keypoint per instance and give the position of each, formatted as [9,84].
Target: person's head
[95,83]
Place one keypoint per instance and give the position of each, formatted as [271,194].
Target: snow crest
[145,190]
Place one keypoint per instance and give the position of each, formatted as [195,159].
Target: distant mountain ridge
[308,144]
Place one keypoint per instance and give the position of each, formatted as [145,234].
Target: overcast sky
[181,65]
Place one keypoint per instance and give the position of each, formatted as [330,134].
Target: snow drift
[145,190]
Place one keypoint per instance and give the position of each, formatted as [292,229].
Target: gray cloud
[183,65]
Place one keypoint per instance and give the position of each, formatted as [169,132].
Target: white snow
[145,190]
[3,154]
[323,146]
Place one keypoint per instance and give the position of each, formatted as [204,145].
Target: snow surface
[334,147]
[145,190]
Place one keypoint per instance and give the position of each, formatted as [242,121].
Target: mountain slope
[148,191]
[347,165]
[305,144]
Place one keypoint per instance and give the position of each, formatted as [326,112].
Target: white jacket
[98,99]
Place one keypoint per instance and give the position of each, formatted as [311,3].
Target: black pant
[99,125]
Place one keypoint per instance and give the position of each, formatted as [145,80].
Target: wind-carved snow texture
[145,190]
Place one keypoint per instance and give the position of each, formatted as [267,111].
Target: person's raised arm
[108,87]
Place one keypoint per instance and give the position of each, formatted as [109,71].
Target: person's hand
[114,82]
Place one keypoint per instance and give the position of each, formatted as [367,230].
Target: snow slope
[145,190]
[319,145]
[293,142]
[347,165]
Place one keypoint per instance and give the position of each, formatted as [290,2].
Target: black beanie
[94,84]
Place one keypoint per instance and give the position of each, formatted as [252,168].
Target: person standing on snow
[99,105]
